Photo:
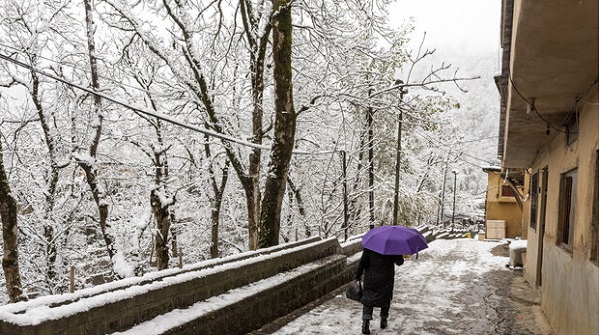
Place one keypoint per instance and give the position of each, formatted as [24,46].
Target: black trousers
[368,312]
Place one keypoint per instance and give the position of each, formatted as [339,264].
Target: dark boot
[383,323]
[365,327]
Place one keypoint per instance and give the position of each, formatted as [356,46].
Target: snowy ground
[454,287]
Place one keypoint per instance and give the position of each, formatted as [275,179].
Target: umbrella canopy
[394,240]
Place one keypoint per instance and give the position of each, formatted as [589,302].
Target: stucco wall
[502,208]
[526,212]
[569,284]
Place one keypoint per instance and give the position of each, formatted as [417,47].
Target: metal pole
[398,151]
[454,200]
[180,258]
[72,279]
[441,217]
[397,181]
[345,191]
[371,173]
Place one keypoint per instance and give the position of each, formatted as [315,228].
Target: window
[594,251]
[533,194]
[572,127]
[567,201]
[507,191]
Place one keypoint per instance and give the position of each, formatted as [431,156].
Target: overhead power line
[205,131]
[16,50]
[157,115]
[440,145]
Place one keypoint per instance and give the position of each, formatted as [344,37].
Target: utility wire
[478,139]
[440,145]
[532,103]
[191,127]
[16,50]
[157,115]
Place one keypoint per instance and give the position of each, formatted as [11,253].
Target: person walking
[378,285]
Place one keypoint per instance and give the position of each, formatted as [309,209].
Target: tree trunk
[163,225]
[218,190]
[89,168]
[258,46]
[353,209]
[174,246]
[50,243]
[10,258]
[161,205]
[285,125]
[301,210]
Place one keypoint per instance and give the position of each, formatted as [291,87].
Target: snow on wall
[47,308]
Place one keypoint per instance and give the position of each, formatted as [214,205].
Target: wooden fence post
[72,279]
[180,258]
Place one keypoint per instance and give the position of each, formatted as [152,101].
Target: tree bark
[295,193]
[91,173]
[216,211]
[258,47]
[285,125]
[10,238]
[162,210]
[163,225]
[216,201]
[52,182]
[353,209]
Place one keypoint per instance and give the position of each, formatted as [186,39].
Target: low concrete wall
[120,309]
[261,308]
[352,246]
[353,250]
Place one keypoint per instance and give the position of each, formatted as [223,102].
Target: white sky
[454,27]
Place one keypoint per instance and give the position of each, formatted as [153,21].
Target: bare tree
[257,37]
[90,166]
[256,24]
[52,181]
[43,223]
[285,125]
[10,236]
[218,190]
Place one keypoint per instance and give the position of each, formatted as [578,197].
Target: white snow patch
[425,288]
[517,244]
[121,266]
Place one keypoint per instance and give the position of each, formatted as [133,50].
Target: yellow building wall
[569,279]
[502,208]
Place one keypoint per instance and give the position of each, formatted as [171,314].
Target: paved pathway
[457,287]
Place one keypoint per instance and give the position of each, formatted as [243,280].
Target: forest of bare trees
[135,131]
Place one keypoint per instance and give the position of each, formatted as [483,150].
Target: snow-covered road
[454,287]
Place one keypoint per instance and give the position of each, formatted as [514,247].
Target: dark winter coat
[378,286]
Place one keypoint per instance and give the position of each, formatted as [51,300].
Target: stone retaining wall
[120,306]
[265,306]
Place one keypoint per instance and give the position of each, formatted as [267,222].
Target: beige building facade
[549,128]
[503,214]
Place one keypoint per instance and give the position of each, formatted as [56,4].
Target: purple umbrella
[394,240]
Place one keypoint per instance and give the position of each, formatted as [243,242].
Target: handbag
[354,290]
